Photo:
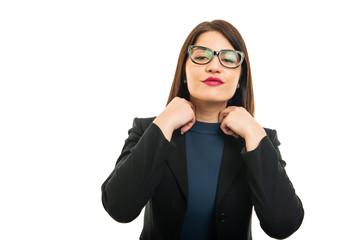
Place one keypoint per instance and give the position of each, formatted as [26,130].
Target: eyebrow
[226,49]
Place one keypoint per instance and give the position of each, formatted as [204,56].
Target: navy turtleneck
[204,148]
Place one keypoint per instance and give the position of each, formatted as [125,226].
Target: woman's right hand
[178,113]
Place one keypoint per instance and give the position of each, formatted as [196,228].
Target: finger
[192,106]
[224,128]
[188,126]
[222,116]
[184,129]
[230,133]
[225,112]
[228,130]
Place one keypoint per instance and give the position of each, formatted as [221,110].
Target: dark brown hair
[243,96]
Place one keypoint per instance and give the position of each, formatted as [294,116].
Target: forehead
[214,40]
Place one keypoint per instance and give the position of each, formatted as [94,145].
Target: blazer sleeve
[276,204]
[137,172]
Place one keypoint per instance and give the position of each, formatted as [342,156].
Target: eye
[229,57]
[228,60]
[201,55]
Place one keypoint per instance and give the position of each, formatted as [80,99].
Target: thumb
[228,131]
[187,127]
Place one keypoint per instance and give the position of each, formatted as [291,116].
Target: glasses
[228,58]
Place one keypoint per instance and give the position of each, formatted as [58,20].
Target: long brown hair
[243,96]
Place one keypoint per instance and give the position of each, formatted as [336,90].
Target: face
[210,91]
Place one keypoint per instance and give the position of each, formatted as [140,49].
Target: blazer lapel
[177,162]
[230,165]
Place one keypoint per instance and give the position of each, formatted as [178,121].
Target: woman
[202,164]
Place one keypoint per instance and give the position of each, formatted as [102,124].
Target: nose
[214,66]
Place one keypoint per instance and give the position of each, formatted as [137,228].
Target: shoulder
[272,134]
[142,123]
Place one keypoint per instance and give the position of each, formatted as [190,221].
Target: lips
[213,81]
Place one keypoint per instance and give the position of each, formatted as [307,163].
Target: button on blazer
[151,172]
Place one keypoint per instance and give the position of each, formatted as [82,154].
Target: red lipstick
[213,81]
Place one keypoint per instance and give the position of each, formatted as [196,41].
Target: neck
[208,111]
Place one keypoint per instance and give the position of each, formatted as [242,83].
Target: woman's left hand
[236,121]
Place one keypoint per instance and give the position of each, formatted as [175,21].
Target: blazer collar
[230,164]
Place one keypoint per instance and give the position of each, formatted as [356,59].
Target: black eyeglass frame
[242,55]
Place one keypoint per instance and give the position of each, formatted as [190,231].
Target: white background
[71,86]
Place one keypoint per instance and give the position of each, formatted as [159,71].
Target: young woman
[202,164]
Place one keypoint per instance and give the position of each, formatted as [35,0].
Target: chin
[213,99]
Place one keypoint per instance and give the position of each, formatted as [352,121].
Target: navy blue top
[204,144]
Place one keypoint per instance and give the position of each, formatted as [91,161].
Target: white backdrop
[71,86]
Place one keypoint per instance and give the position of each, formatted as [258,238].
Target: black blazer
[152,171]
